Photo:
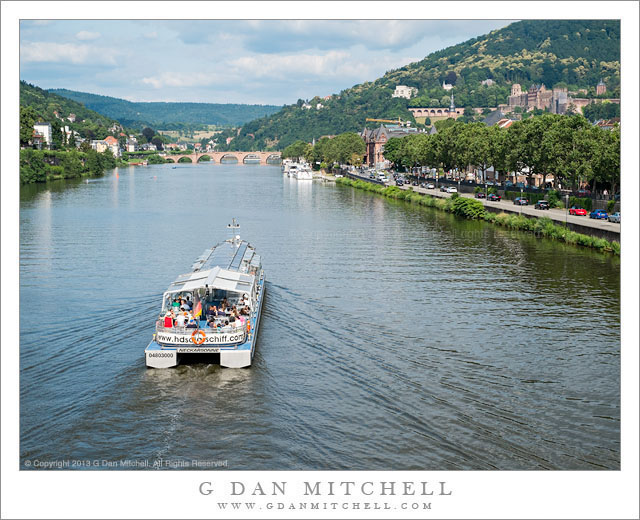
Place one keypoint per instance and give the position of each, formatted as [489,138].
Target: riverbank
[49,165]
[474,209]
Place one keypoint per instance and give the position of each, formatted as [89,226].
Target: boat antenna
[233,227]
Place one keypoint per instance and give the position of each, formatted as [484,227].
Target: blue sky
[228,61]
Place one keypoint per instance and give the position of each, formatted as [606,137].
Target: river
[393,337]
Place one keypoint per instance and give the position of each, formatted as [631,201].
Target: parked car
[480,195]
[575,210]
[399,182]
[520,201]
[542,204]
[414,183]
[452,189]
[493,197]
[430,186]
[599,214]
[584,193]
[615,217]
[338,175]
[443,188]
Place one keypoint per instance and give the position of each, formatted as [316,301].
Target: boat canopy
[216,278]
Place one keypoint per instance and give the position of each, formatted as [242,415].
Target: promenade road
[557,215]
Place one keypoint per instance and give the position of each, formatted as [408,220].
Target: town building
[99,145]
[131,145]
[44,129]
[112,144]
[72,118]
[404,92]
[446,85]
[601,88]
[488,82]
[608,124]
[375,140]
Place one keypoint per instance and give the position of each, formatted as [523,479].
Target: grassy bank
[474,209]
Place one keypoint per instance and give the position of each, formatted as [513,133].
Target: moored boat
[213,312]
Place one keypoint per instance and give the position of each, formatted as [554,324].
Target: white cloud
[183,79]
[64,52]
[151,35]
[87,35]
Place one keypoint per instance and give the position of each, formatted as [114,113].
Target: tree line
[568,147]
[44,165]
[346,148]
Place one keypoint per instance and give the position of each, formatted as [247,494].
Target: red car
[581,212]
[493,197]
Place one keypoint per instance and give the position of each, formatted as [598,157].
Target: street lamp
[566,209]
[520,201]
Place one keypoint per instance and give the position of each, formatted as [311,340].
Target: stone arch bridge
[217,157]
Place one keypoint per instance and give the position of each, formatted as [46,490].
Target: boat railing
[189,330]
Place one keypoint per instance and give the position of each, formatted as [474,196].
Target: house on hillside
[112,144]
[99,145]
[44,129]
[72,118]
[404,92]
[493,118]
[608,124]
[132,145]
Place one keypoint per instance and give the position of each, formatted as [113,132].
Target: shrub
[580,202]
[610,206]
[553,196]
[468,208]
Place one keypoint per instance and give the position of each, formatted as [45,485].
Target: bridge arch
[185,159]
[229,158]
[251,158]
[205,158]
[273,158]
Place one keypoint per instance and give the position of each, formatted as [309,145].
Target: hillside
[576,53]
[167,115]
[88,123]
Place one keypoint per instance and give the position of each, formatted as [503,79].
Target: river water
[393,337]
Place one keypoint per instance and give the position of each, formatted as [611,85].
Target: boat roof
[223,266]
[216,278]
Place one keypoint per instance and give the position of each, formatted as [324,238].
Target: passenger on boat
[244,311]
[192,323]
[181,319]
[175,305]
[226,327]
[168,320]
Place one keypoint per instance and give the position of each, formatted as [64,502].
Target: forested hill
[159,114]
[571,53]
[43,104]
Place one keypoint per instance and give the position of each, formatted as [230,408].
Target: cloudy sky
[228,61]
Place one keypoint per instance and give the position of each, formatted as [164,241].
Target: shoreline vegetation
[50,165]
[473,209]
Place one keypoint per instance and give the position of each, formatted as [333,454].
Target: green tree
[295,150]
[148,134]
[28,118]
[157,142]
[568,143]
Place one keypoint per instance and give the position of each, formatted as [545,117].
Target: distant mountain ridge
[158,114]
[576,53]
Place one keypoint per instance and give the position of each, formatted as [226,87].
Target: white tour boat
[301,172]
[212,312]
